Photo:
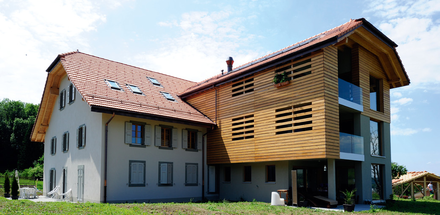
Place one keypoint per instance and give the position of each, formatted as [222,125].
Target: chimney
[230,61]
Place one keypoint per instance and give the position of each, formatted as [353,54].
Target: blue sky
[192,40]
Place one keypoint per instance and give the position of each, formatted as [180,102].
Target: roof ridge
[78,52]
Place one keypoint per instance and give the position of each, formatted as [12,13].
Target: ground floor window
[191,176]
[52,179]
[247,177]
[377,181]
[165,173]
[270,173]
[136,173]
[227,174]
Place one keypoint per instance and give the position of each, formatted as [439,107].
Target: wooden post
[412,191]
[424,187]
[438,191]
[294,188]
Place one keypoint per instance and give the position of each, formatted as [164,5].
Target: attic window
[155,82]
[168,96]
[134,89]
[113,84]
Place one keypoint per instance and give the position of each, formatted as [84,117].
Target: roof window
[168,96]
[155,82]
[113,84]
[134,89]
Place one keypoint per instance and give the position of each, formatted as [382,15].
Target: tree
[7,184]
[397,170]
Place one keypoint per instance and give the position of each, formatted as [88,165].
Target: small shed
[422,178]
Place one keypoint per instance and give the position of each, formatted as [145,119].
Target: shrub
[14,191]
[7,184]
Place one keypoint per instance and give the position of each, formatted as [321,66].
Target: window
[134,89]
[62,99]
[270,173]
[53,146]
[52,179]
[376,181]
[227,174]
[113,85]
[191,139]
[137,133]
[136,176]
[165,173]
[165,136]
[154,82]
[376,138]
[168,96]
[191,176]
[375,94]
[72,93]
[66,141]
[81,137]
[247,176]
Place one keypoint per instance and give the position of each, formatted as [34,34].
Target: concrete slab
[40,199]
[358,207]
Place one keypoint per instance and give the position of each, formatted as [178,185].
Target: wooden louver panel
[297,118]
[243,127]
[243,86]
[298,69]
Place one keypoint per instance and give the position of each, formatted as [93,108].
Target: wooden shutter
[128,130]
[199,140]
[184,139]
[191,174]
[141,173]
[163,173]
[175,138]
[84,136]
[147,135]
[169,173]
[157,136]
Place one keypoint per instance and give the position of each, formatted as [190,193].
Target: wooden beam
[424,185]
[54,91]
[412,190]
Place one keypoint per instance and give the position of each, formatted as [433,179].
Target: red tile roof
[337,32]
[88,74]
[411,176]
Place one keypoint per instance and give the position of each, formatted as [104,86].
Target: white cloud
[394,115]
[206,38]
[407,131]
[32,34]
[426,129]
[397,94]
[403,101]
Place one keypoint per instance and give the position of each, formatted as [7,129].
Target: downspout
[105,157]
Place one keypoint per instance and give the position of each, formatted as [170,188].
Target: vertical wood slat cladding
[369,64]
[331,97]
[262,103]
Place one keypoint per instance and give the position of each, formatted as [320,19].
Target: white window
[81,137]
[165,136]
[191,176]
[53,146]
[113,85]
[62,99]
[168,96]
[165,173]
[137,173]
[134,89]
[66,141]
[72,93]
[154,82]
[191,139]
[137,133]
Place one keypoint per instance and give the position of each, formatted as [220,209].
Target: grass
[29,207]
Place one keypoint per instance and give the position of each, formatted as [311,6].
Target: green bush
[7,184]
[14,191]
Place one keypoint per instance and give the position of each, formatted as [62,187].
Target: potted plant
[349,202]
[281,79]
[14,191]
[7,185]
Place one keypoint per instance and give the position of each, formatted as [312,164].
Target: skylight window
[113,84]
[168,96]
[154,81]
[134,89]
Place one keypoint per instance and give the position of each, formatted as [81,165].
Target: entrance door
[80,192]
[211,179]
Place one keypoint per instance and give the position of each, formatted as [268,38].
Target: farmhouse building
[116,133]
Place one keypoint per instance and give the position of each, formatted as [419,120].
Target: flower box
[282,84]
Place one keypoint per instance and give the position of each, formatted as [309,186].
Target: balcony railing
[350,92]
[350,143]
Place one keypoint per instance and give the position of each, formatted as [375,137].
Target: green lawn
[28,207]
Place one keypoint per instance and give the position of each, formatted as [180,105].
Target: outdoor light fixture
[325,168]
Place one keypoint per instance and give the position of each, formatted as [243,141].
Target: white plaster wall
[258,188]
[69,119]
[119,155]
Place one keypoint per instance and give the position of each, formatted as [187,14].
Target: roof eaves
[376,32]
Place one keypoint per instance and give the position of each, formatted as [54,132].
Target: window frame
[53,145]
[169,178]
[196,183]
[379,105]
[72,93]
[145,134]
[245,180]
[192,143]
[131,86]
[62,99]
[52,179]
[130,184]
[379,139]
[83,138]
[169,97]
[109,84]
[158,84]
[66,139]
[268,177]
